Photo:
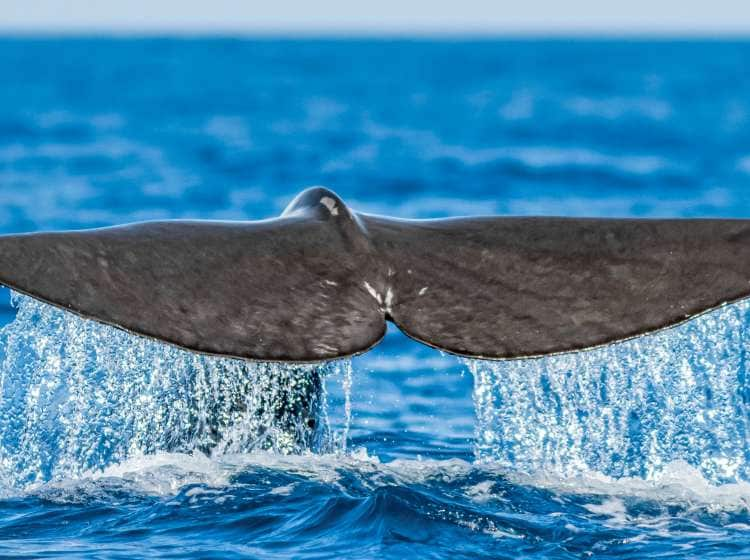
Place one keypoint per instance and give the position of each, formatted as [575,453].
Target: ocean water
[114,446]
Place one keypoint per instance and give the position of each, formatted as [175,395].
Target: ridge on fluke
[320,281]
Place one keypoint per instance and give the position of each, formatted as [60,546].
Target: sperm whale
[320,281]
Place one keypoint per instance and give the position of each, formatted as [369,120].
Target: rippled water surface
[113,446]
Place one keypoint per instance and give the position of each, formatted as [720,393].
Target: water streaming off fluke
[77,396]
[628,409]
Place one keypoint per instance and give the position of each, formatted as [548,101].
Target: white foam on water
[677,483]
[485,484]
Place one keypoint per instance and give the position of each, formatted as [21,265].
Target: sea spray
[77,396]
[625,410]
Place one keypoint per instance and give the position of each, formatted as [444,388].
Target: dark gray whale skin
[320,281]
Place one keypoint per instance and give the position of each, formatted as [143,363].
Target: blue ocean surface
[109,446]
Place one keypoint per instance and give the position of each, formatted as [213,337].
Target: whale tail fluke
[521,287]
[276,290]
[319,282]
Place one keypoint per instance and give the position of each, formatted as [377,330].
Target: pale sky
[683,17]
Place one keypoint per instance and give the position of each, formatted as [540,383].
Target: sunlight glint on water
[628,409]
[79,396]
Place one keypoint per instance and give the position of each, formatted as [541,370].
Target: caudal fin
[319,282]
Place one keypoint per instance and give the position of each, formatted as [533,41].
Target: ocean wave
[232,130]
[169,474]
[613,108]
[520,106]
[717,200]
[430,146]
[372,508]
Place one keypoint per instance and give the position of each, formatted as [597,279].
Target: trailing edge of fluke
[320,281]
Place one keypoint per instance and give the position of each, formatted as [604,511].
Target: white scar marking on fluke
[329,203]
[422,291]
[326,348]
[373,293]
[331,283]
[388,300]
[385,306]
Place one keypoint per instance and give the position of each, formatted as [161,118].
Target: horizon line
[374,33]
